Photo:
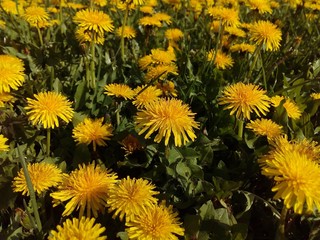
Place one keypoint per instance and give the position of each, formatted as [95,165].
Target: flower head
[173,34]
[36,16]
[156,222]
[243,99]
[119,90]
[3,145]
[160,72]
[83,229]
[242,47]
[43,176]
[263,6]
[92,131]
[294,173]
[167,116]
[265,127]
[150,21]
[82,35]
[130,197]
[146,94]
[292,109]
[266,33]
[228,16]
[221,60]
[86,188]
[128,32]
[315,96]
[130,144]
[167,88]
[12,7]
[47,108]
[11,73]
[94,21]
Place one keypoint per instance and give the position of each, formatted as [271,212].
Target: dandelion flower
[160,72]
[36,16]
[173,34]
[43,176]
[294,174]
[3,145]
[5,98]
[235,31]
[292,109]
[94,20]
[11,73]
[265,127]
[82,35]
[266,33]
[157,222]
[163,17]
[221,60]
[130,144]
[150,21]
[11,7]
[315,96]
[128,32]
[243,99]
[100,3]
[83,229]
[276,100]
[228,16]
[92,131]
[157,57]
[119,90]
[167,88]
[167,117]
[47,108]
[86,188]
[146,9]
[146,94]
[130,197]
[242,47]
[263,6]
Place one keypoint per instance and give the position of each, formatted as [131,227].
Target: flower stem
[240,128]
[40,37]
[282,223]
[122,31]
[48,142]
[92,65]
[30,189]
[253,64]
[119,106]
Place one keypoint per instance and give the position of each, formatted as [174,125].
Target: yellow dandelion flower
[243,99]
[228,16]
[83,229]
[146,9]
[266,33]
[11,7]
[47,108]
[36,16]
[86,188]
[157,222]
[94,20]
[92,131]
[167,117]
[3,145]
[265,127]
[43,176]
[173,34]
[263,6]
[128,32]
[242,47]
[157,56]
[119,90]
[221,60]
[145,94]
[276,100]
[294,174]
[100,3]
[315,96]
[274,4]
[150,21]
[235,31]
[75,6]
[292,109]
[11,73]
[86,36]
[160,72]
[5,98]
[163,17]
[130,197]
[167,88]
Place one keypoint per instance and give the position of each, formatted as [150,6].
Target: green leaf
[79,96]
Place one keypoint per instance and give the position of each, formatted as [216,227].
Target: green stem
[92,63]
[31,190]
[118,113]
[122,31]
[240,128]
[253,64]
[40,37]
[282,223]
[48,142]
